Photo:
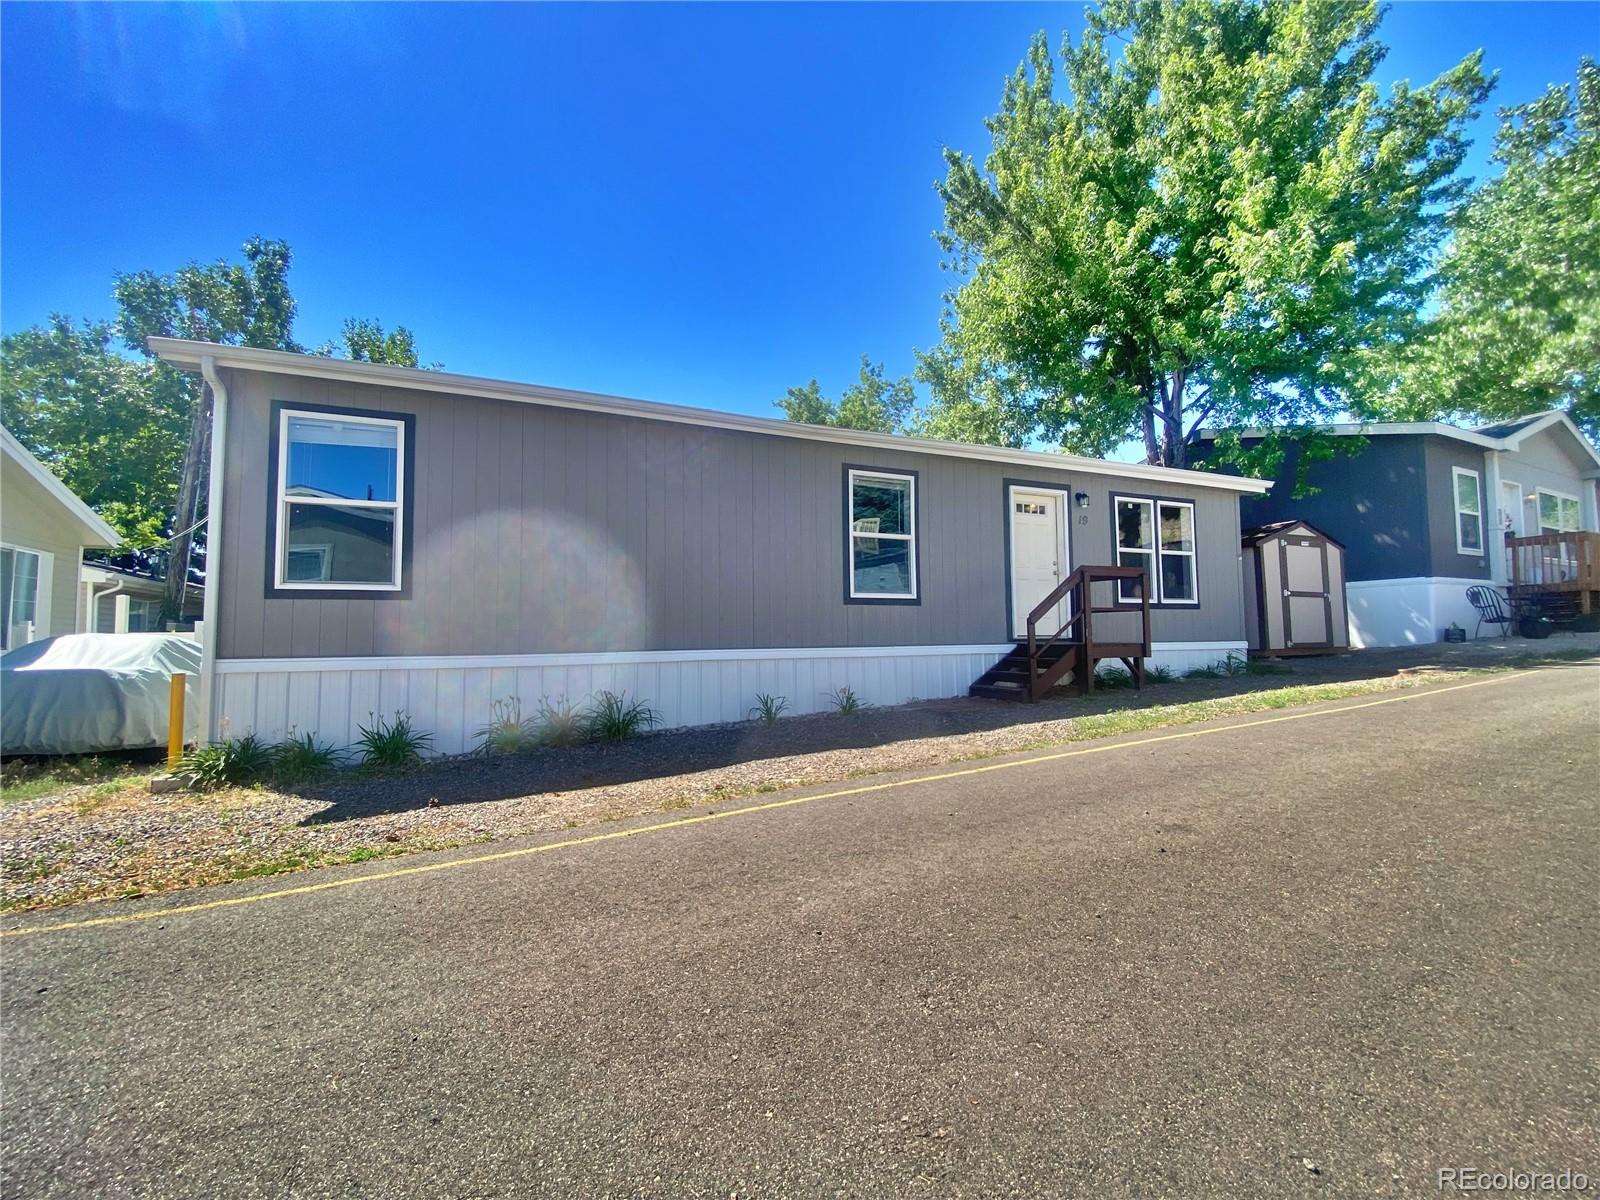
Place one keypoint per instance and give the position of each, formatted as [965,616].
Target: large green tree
[873,402]
[131,434]
[1214,221]
[1518,326]
[112,429]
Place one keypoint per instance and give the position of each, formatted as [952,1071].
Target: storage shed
[1294,591]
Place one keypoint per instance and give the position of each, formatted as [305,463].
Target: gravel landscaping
[111,838]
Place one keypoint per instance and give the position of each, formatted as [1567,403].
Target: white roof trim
[100,534]
[184,353]
[1472,437]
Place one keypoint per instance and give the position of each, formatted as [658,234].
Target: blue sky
[701,205]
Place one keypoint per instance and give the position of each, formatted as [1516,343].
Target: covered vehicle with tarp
[87,692]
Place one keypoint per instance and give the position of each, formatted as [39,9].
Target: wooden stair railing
[1548,568]
[1046,657]
[1079,586]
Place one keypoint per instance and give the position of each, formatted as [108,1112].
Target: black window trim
[916,533]
[1158,598]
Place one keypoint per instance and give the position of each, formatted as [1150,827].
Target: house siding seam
[555,530]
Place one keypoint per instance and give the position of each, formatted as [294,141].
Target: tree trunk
[1147,420]
[1172,423]
[188,507]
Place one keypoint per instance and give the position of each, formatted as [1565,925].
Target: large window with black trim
[1159,536]
[881,535]
[340,502]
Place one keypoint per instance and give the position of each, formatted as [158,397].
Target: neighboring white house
[121,600]
[44,530]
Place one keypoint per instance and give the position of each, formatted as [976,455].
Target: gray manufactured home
[394,539]
[1426,511]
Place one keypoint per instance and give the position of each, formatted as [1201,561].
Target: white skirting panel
[452,697]
[1186,656]
[1408,612]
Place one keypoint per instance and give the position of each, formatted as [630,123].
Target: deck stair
[1047,660]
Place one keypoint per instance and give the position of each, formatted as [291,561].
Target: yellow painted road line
[769,806]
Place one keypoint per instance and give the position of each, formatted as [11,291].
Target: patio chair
[1491,610]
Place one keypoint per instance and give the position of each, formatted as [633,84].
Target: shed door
[1307,612]
[1037,562]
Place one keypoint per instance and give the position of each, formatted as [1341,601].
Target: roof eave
[100,534]
[182,352]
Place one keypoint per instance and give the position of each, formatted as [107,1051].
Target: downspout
[94,606]
[211,604]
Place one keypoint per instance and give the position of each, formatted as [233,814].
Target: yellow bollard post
[175,721]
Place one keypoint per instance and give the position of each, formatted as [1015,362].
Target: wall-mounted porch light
[1081,499]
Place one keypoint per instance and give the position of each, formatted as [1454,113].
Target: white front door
[1038,557]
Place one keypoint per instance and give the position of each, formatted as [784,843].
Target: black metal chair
[1491,610]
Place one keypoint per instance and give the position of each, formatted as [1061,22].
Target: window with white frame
[882,532]
[1157,535]
[1558,512]
[341,501]
[1176,526]
[1469,510]
[1136,544]
[144,616]
[20,573]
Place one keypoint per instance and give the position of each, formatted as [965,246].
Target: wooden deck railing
[1554,562]
[1078,629]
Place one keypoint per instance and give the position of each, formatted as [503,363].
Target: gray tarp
[84,692]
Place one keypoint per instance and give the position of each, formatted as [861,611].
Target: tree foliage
[112,429]
[237,304]
[1518,327]
[115,428]
[1215,221]
[873,402]
[366,341]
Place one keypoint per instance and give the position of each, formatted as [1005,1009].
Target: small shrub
[1234,664]
[845,701]
[302,756]
[615,717]
[391,745]
[1211,672]
[1160,674]
[1114,677]
[507,732]
[558,725]
[769,708]
[228,763]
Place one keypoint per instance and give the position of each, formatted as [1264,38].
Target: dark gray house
[392,539]
[1426,510]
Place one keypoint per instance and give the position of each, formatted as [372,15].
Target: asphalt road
[1327,955]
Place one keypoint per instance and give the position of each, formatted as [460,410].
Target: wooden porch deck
[1555,572]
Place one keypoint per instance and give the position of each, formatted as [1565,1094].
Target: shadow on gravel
[477,778]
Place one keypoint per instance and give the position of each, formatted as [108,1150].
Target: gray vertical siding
[1445,561]
[1375,501]
[1547,461]
[548,530]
